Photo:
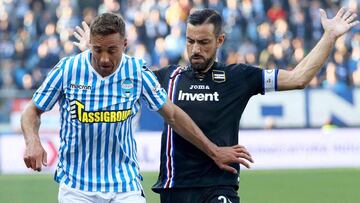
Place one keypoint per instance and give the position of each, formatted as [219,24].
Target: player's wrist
[213,151]
[329,36]
[32,140]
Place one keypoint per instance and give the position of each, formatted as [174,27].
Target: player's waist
[197,183]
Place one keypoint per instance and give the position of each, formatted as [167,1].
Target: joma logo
[199,87]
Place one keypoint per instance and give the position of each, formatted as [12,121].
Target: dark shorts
[218,194]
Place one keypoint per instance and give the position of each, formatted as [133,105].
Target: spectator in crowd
[31,32]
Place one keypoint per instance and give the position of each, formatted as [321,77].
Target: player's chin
[198,66]
[106,70]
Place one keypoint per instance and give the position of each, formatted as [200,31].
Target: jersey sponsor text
[77,109]
[183,96]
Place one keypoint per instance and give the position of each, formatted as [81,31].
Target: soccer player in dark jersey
[215,95]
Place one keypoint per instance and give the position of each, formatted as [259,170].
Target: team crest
[127,88]
[218,76]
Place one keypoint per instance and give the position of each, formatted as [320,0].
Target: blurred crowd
[35,34]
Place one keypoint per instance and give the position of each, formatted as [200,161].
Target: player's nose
[195,49]
[104,58]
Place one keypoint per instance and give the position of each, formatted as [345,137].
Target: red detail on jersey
[169,142]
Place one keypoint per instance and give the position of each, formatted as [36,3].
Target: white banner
[275,149]
[12,149]
[270,149]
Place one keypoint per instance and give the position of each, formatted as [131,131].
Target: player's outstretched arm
[311,64]
[35,156]
[186,127]
[83,35]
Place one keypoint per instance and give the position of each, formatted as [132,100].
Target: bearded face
[197,65]
[201,45]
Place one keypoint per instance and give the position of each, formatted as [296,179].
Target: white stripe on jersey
[97,148]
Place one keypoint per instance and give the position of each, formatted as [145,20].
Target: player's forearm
[311,64]
[187,128]
[30,124]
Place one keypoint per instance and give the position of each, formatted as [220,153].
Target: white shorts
[71,195]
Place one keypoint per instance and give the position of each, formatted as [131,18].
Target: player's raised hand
[340,24]
[35,156]
[235,154]
[83,35]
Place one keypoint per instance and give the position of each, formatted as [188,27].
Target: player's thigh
[126,197]
[70,195]
[221,195]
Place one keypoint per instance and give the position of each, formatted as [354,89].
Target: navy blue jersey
[215,101]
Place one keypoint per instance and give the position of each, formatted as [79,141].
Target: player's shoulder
[133,59]
[164,73]
[72,58]
[240,67]
[167,70]
[237,70]
[60,65]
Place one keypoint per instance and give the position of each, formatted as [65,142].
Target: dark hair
[202,16]
[108,23]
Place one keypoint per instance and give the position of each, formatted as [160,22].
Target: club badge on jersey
[127,88]
[218,76]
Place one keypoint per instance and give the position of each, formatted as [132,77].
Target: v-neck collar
[88,60]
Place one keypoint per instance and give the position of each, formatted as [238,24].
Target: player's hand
[341,23]
[235,154]
[83,35]
[35,156]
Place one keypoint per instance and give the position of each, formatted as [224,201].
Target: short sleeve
[50,90]
[260,80]
[152,91]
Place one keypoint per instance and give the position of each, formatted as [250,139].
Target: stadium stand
[277,33]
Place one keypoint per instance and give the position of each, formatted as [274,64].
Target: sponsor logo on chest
[185,96]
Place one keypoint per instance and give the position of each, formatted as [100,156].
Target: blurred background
[308,129]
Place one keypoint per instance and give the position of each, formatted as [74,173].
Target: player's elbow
[168,112]
[301,84]
[171,121]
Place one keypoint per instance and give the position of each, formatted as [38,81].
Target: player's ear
[125,43]
[220,40]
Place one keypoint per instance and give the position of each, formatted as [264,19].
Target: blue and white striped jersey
[97,148]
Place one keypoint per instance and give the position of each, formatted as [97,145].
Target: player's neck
[209,66]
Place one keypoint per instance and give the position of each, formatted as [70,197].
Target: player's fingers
[33,163]
[79,30]
[238,147]
[354,23]
[229,169]
[85,26]
[77,44]
[244,163]
[351,18]
[245,156]
[323,14]
[346,15]
[77,36]
[44,159]
[38,165]
[27,161]
[242,150]
[341,12]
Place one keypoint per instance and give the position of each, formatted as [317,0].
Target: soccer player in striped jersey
[99,92]
[215,96]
